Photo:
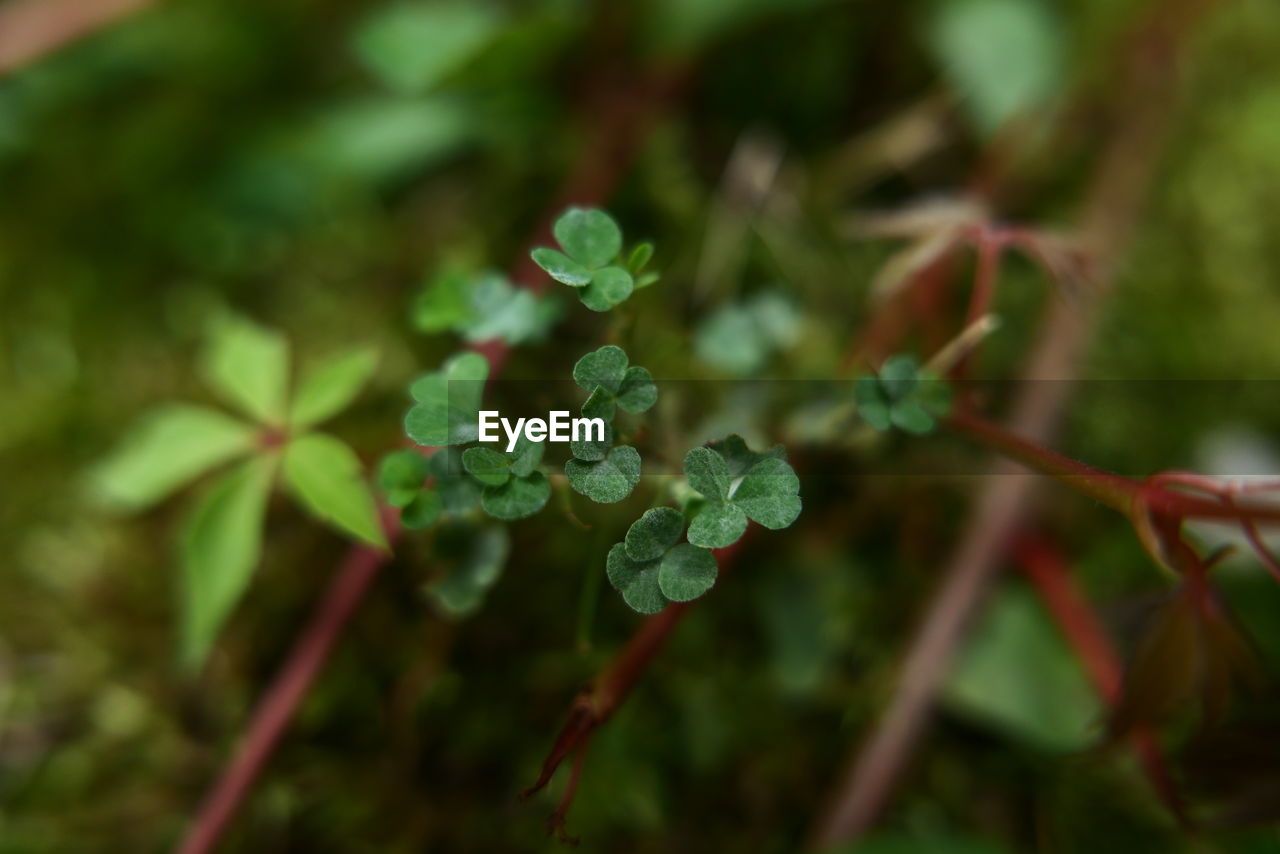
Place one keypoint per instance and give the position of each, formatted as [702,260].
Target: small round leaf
[638,391]
[490,467]
[708,473]
[517,498]
[769,494]
[654,532]
[608,481]
[422,511]
[686,572]
[588,235]
[609,286]
[605,367]
[561,267]
[637,581]
[717,526]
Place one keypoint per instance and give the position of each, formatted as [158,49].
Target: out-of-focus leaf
[478,556]
[326,476]
[248,365]
[168,448]
[484,307]
[490,467]
[221,545]
[380,139]
[1018,674]
[331,387]
[518,498]
[739,338]
[401,475]
[1003,56]
[422,510]
[448,402]
[412,46]
[933,843]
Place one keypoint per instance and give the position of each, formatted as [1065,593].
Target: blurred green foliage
[312,166]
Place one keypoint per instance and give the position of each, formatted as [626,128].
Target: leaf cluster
[590,259]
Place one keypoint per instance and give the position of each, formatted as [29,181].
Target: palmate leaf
[325,475]
[248,366]
[331,387]
[448,401]
[221,544]
[170,447]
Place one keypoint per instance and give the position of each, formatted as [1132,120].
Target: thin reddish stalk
[1116,491]
[597,173]
[597,702]
[277,706]
[1049,573]
[1147,103]
[29,29]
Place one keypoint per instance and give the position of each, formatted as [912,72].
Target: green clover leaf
[590,246]
[612,380]
[514,486]
[903,395]
[652,534]
[588,235]
[759,487]
[474,557]
[606,481]
[448,401]
[677,573]
[401,475]
[483,307]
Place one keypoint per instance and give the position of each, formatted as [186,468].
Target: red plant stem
[1116,491]
[29,29]
[1147,102]
[1049,573]
[597,702]
[593,180]
[277,706]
